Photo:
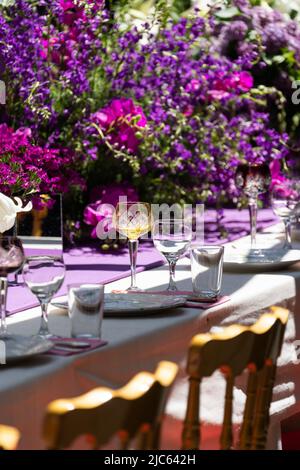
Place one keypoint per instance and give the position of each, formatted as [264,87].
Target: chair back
[233,350]
[9,438]
[133,411]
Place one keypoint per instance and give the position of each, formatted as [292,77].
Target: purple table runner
[86,265]
[89,265]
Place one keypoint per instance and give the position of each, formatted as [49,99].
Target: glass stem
[172,284]
[133,251]
[288,235]
[3,293]
[253,220]
[44,330]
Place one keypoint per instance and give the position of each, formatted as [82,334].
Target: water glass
[173,239]
[86,302]
[44,275]
[207,270]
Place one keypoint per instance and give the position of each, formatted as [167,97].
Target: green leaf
[228,13]
[278,59]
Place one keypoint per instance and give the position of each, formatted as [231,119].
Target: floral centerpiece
[158,106]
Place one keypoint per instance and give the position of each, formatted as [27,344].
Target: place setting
[266,252]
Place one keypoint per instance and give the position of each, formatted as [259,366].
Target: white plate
[134,304]
[236,259]
[19,347]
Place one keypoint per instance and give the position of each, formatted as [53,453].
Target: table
[138,344]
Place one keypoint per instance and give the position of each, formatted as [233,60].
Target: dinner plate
[238,260]
[19,348]
[134,304]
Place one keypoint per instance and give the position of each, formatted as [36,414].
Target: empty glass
[207,270]
[11,260]
[285,197]
[173,239]
[86,304]
[44,276]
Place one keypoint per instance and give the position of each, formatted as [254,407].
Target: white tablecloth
[140,343]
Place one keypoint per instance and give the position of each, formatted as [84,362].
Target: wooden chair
[134,410]
[233,350]
[9,438]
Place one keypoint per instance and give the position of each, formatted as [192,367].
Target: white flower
[9,210]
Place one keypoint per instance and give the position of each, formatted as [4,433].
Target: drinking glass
[132,220]
[285,197]
[207,270]
[44,276]
[253,180]
[173,239]
[86,303]
[11,260]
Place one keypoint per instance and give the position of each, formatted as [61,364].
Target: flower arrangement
[27,168]
[162,106]
[203,116]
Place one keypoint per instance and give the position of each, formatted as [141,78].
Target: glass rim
[45,257]
[133,202]
[81,284]
[205,247]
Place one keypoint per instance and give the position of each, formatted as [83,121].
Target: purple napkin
[94,344]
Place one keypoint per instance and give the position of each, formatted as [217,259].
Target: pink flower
[188,110]
[120,120]
[223,86]
[193,85]
[106,197]
[246,81]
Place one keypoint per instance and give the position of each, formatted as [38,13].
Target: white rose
[9,210]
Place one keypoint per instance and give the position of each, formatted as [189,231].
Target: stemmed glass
[44,276]
[173,239]
[285,197]
[253,180]
[11,260]
[133,220]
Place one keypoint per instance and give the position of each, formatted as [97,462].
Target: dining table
[139,343]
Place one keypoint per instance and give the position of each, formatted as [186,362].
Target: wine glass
[44,276]
[253,180]
[284,199]
[173,239]
[132,220]
[11,259]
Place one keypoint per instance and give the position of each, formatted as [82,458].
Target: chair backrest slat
[226,439]
[233,350]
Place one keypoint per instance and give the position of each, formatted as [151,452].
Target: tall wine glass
[132,220]
[253,180]
[285,197]
[11,260]
[44,276]
[173,239]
